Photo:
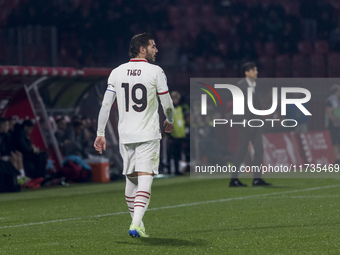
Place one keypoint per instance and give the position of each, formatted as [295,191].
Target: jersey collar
[138,60]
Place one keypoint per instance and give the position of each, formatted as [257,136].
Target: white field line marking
[174,206]
[292,197]
[325,196]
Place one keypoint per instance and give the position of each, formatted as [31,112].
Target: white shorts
[140,157]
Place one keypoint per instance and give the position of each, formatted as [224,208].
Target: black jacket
[243,85]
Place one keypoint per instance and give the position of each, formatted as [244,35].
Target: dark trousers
[174,152]
[8,177]
[254,135]
[35,164]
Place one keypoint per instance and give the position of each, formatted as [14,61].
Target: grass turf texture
[295,216]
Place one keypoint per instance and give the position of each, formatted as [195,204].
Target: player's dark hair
[247,67]
[137,41]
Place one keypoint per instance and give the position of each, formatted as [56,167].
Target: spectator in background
[35,161]
[287,43]
[333,119]
[177,136]
[260,29]
[309,10]
[326,21]
[294,113]
[334,38]
[61,127]
[13,122]
[187,140]
[274,26]
[61,132]
[72,145]
[206,43]
[5,139]
[77,140]
[7,152]
[91,127]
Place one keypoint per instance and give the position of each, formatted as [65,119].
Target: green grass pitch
[186,216]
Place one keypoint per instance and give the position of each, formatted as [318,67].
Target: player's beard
[149,57]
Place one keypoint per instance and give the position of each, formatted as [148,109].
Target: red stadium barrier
[282,149]
[298,149]
[317,148]
[53,71]
[38,71]
[96,71]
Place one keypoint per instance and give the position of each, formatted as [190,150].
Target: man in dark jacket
[249,134]
[34,160]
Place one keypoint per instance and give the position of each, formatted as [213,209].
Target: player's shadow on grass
[164,242]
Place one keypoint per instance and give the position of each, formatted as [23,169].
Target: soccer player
[136,85]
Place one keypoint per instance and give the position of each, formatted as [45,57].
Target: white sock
[130,193]
[142,198]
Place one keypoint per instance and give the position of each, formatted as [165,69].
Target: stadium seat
[190,24]
[300,66]
[207,12]
[267,67]
[335,4]
[305,48]
[209,24]
[291,8]
[161,36]
[216,66]
[1,47]
[259,48]
[175,35]
[174,14]
[190,12]
[231,73]
[283,66]
[200,65]
[176,23]
[321,47]
[333,63]
[265,2]
[270,49]
[318,65]
[223,23]
[185,3]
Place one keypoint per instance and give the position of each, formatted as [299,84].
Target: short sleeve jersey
[136,85]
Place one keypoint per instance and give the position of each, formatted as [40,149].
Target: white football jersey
[136,85]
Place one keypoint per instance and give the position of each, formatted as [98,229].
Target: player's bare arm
[109,98]
[168,109]
[100,144]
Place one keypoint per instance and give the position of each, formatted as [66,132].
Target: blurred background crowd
[206,37]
